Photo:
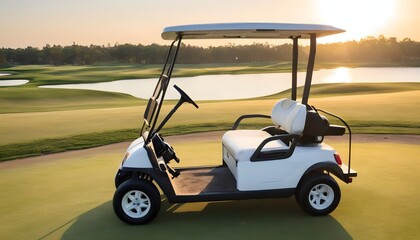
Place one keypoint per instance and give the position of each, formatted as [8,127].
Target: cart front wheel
[318,194]
[136,201]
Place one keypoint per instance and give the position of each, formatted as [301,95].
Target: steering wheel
[185,96]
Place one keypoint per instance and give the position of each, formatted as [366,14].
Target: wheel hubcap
[321,196]
[136,204]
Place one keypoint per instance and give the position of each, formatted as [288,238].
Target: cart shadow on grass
[248,219]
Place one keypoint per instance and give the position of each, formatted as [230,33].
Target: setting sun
[360,18]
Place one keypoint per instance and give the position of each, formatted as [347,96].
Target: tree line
[369,49]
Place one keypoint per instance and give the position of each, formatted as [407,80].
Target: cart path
[208,136]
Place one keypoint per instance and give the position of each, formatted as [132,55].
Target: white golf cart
[288,158]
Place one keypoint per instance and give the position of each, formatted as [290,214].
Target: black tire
[136,201]
[318,194]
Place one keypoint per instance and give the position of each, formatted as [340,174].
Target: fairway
[36,133]
[68,196]
[387,109]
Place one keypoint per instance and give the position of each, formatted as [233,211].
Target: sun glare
[338,75]
[360,18]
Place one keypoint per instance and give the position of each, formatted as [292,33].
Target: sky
[101,22]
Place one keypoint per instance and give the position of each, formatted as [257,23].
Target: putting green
[68,196]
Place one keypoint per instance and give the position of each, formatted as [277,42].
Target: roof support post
[171,62]
[174,57]
[294,66]
[309,70]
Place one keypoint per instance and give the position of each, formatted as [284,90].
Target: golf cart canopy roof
[248,30]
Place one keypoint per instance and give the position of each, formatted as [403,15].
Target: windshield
[150,112]
[154,104]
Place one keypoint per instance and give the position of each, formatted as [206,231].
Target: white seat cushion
[290,115]
[241,144]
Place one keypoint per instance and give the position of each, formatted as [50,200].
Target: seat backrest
[290,115]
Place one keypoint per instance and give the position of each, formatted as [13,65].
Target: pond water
[218,87]
[15,82]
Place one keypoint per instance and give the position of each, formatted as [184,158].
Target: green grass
[27,127]
[44,74]
[38,133]
[83,141]
[387,108]
[55,145]
[21,100]
[30,98]
[70,197]
[340,89]
[69,74]
[36,121]
[89,140]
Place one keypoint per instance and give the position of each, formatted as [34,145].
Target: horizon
[227,43]
[96,22]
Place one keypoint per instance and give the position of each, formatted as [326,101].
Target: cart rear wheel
[136,201]
[318,194]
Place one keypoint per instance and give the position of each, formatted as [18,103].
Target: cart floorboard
[204,180]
